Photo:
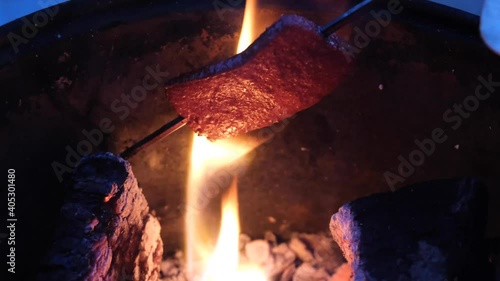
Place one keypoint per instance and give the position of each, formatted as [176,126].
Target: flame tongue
[206,157]
[222,264]
[247,35]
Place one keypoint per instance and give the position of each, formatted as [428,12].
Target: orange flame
[224,265]
[221,264]
[204,262]
[206,157]
[247,35]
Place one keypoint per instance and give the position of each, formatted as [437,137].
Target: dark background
[65,79]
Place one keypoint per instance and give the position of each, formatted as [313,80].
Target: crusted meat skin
[289,68]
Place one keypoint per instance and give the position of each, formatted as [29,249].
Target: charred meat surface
[289,68]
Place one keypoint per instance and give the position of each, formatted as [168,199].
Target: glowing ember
[222,262]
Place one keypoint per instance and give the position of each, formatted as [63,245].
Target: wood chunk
[301,249]
[308,272]
[105,231]
[283,259]
[289,68]
[258,251]
[427,231]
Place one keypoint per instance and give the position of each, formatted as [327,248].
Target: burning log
[106,231]
[428,231]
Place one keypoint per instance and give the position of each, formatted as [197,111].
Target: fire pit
[67,96]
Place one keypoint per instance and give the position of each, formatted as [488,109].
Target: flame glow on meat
[219,262]
[289,68]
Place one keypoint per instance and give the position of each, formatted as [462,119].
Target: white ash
[173,268]
[305,257]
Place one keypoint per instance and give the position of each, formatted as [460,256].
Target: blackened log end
[428,231]
[105,230]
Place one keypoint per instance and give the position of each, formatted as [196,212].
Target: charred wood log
[106,231]
[429,231]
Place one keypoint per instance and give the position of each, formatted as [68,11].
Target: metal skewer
[157,135]
[179,121]
[335,24]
